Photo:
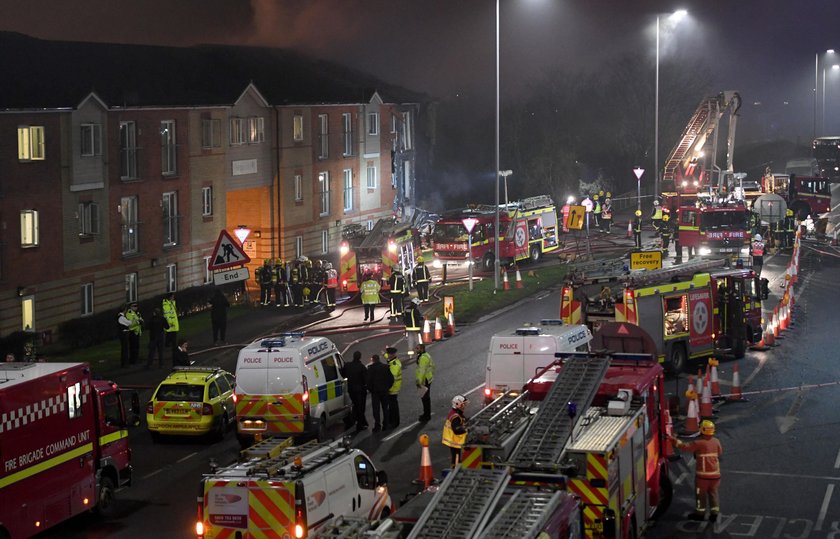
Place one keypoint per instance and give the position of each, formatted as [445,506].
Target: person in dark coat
[181,356]
[219,305]
[157,337]
[379,380]
[355,372]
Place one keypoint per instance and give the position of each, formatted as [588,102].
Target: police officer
[170,314]
[455,429]
[396,284]
[637,229]
[421,278]
[370,295]
[395,366]
[757,254]
[330,284]
[135,329]
[423,377]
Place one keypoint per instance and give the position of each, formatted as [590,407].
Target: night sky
[765,49]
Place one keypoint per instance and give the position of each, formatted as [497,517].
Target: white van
[516,355]
[289,385]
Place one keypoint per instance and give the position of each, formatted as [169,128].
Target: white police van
[516,355]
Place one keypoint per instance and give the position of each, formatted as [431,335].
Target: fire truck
[63,445]
[278,491]
[695,310]
[718,227]
[528,228]
[592,426]
[386,246]
[809,195]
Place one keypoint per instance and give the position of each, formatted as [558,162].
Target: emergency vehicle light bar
[194,368]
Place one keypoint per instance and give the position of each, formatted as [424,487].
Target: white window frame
[128,150]
[298,187]
[90,140]
[323,136]
[129,221]
[207,201]
[393,123]
[371,176]
[369,225]
[373,123]
[406,130]
[347,124]
[29,228]
[348,189]
[256,130]
[297,127]
[171,278]
[168,148]
[31,143]
[325,241]
[208,273]
[86,299]
[131,287]
[298,246]
[324,193]
[237,131]
[211,133]
[170,218]
[88,218]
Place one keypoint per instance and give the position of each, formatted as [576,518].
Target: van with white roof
[516,355]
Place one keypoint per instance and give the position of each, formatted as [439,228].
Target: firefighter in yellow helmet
[707,452]
[637,229]
[665,233]
[790,229]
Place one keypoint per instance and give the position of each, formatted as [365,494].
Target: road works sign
[228,253]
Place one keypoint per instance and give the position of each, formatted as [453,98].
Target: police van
[289,385]
[516,355]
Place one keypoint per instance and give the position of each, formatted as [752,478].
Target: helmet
[609,195]
[789,212]
[328,265]
[419,259]
[601,192]
[666,217]
[707,428]
[638,213]
[459,401]
[595,197]
[758,237]
[656,203]
[267,262]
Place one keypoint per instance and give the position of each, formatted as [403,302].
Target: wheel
[678,360]
[323,434]
[488,262]
[666,493]
[106,502]
[536,253]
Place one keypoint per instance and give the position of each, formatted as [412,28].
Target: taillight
[305,397]
[298,530]
[487,392]
[300,511]
[199,530]
[206,409]
[150,408]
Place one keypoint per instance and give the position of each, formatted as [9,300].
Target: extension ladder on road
[499,419]
[463,504]
[524,515]
[544,441]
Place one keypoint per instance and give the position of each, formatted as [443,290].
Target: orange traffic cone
[518,279]
[427,476]
[506,283]
[714,379]
[438,330]
[630,229]
[706,410]
[769,337]
[427,332]
[450,328]
[698,387]
[736,395]
[692,421]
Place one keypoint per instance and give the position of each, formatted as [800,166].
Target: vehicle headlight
[704,251]
[436,263]
[745,250]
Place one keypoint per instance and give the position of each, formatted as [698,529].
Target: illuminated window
[91,140]
[208,274]
[298,187]
[74,400]
[168,148]
[207,201]
[27,313]
[371,176]
[31,143]
[324,193]
[237,131]
[171,278]
[87,299]
[373,123]
[29,228]
[297,127]
[129,224]
[256,129]
[170,219]
[88,218]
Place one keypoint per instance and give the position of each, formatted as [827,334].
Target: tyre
[666,493]
[536,253]
[488,262]
[106,501]
[678,360]
[323,433]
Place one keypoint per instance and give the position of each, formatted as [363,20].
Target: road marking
[837,460]
[829,489]
[414,424]
[191,455]
[789,475]
[147,476]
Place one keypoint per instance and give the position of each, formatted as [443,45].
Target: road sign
[638,172]
[227,253]
[469,223]
[231,276]
[646,260]
[575,219]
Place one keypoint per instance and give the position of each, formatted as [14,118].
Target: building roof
[60,74]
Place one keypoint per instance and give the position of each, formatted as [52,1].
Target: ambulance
[289,385]
[516,355]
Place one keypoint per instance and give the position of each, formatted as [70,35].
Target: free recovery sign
[646,260]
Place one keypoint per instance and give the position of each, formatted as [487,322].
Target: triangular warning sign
[622,330]
[227,253]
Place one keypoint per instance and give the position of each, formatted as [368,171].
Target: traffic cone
[692,421]
[715,383]
[438,330]
[706,410]
[630,229]
[775,325]
[427,476]
[698,388]
[506,282]
[736,395]
[769,337]
[518,279]
[427,332]
[450,328]
[761,345]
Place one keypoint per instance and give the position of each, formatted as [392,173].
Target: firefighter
[330,284]
[370,295]
[306,280]
[707,452]
[596,211]
[790,228]
[281,284]
[392,421]
[266,278]
[637,229]
[421,278]
[413,320]
[170,314]
[318,281]
[606,215]
[666,233]
[423,376]
[757,254]
[656,216]
[455,429]
[396,284]
[295,284]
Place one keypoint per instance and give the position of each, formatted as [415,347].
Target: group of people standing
[297,283]
[163,329]
[398,292]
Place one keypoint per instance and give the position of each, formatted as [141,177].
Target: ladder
[462,505]
[275,465]
[524,515]
[530,203]
[597,270]
[608,273]
[499,420]
[266,449]
[544,441]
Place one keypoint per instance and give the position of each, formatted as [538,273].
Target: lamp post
[496,263]
[675,17]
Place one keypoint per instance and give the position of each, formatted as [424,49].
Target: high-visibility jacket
[597,209]
[395,366]
[396,282]
[135,322]
[657,213]
[412,318]
[370,292]
[332,278]
[606,212]
[425,369]
[170,314]
[758,248]
[707,452]
[455,429]
[421,273]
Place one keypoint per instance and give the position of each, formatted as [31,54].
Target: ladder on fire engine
[544,441]
[524,515]
[595,271]
[610,272]
[531,203]
[499,419]
[462,505]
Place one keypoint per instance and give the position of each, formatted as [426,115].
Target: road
[782,448]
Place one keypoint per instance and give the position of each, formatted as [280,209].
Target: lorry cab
[516,355]
[289,385]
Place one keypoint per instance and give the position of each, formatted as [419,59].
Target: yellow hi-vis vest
[449,437]
[370,292]
[396,370]
[657,213]
[170,313]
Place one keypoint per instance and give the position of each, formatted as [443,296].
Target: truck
[388,245]
[715,227]
[63,443]
[527,230]
[696,310]
[804,195]
[278,490]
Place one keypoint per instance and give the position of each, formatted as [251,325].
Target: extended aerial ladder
[495,429]
[610,274]
[525,514]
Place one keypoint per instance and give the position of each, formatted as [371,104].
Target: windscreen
[725,220]
[180,393]
[449,233]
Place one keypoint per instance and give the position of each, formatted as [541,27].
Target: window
[324,193]
[371,176]
[325,241]
[129,224]
[348,189]
[208,275]
[130,287]
[128,150]
[237,131]
[207,201]
[168,154]
[406,130]
[28,228]
[212,390]
[373,123]
[676,315]
[298,187]
[87,299]
[74,400]
[211,133]
[88,218]
[170,219]
[91,140]
[298,246]
[370,225]
[171,278]
[323,140]
[393,123]
[224,383]
[365,473]
[31,143]
[27,313]
[347,122]
[256,129]
[112,410]
[297,127]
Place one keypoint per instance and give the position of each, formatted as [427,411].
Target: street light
[504,174]
[496,264]
[674,18]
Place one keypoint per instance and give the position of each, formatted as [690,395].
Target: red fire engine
[63,443]
[808,195]
[715,227]
[386,246]
[528,228]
